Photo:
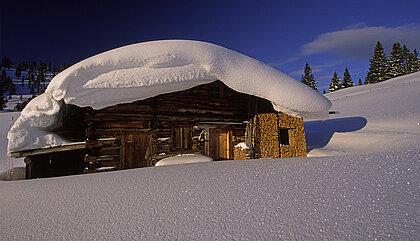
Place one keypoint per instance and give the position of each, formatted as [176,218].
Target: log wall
[158,116]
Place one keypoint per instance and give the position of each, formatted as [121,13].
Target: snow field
[365,186]
[353,197]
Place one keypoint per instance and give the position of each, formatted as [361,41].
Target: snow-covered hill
[363,184]
[370,118]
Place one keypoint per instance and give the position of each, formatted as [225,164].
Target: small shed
[133,106]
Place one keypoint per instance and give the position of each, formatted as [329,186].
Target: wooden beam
[48,150]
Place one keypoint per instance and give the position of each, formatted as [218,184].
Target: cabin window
[284,134]
[215,92]
[181,138]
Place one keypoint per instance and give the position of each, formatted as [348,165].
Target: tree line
[400,62]
[36,75]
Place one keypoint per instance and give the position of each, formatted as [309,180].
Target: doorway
[135,150]
[220,144]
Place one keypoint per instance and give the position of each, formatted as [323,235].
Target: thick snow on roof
[144,70]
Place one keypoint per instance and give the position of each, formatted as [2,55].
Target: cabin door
[135,150]
[220,144]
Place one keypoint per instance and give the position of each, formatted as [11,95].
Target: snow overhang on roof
[144,70]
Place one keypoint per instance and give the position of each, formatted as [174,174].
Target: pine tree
[347,81]
[308,78]
[396,64]
[6,62]
[12,88]
[335,83]
[405,55]
[360,82]
[3,75]
[29,77]
[18,71]
[368,78]
[378,65]
[413,63]
[2,100]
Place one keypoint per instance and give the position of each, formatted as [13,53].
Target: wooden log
[100,159]
[33,152]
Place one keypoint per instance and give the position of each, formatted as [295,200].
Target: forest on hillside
[401,61]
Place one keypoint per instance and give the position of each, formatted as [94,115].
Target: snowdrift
[183,159]
[144,70]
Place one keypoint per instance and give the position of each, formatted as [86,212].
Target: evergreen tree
[308,78]
[3,79]
[405,56]
[416,62]
[24,65]
[360,81]
[32,66]
[6,62]
[3,74]
[12,88]
[335,83]
[29,77]
[347,81]
[396,64]
[2,100]
[378,70]
[18,71]
[413,63]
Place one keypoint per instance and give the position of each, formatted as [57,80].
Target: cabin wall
[114,132]
[208,119]
[268,140]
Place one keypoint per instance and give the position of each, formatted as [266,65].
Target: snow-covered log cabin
[133,106]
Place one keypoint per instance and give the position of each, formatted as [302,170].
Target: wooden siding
[160,119]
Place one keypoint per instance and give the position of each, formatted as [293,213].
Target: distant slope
[371,118]
[22,90]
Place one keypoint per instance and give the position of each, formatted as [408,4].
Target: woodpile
[268,142]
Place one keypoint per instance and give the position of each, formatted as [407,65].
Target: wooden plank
[33,152]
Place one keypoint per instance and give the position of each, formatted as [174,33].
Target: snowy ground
[371,118]
[362,182]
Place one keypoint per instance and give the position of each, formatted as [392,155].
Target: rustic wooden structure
[54,161]
[209,119]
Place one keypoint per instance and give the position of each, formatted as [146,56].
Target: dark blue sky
[285,34]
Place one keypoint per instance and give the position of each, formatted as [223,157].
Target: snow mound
[183,159]
[144,70]
[242,145]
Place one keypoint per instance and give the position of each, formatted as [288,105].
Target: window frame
[285,136]
[215,91]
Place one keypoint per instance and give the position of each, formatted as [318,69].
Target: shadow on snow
[319,133]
